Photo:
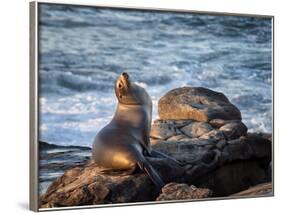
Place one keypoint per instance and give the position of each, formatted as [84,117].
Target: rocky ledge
[264,189]
[203,131]
[177,191]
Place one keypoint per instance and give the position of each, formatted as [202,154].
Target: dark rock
[233,130]
[237,150]
[267,136]
[208,157]
[220,144]
[261,146]
[250,147]
[207,164]
[203,157]
[196,129]
[187,166]
[184,151]
[204,142]
[169,170]
[232,177]
[269,172]
[176,191]
[181,123]
[196,103]
[169,147]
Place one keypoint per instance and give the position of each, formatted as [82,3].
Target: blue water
[84,49]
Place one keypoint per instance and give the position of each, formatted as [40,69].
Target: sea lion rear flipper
[157,154]
[154,176]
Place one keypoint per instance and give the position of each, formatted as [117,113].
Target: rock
[187,166]
[237,150]
[195,150]
[267,136]
[205,165]
[99,190]
[178,138]
[209,140]
[176,191]
[206,156]
[269,172]
[217,123]
[264,189]
[181,123]
[187,152]
[225,167]
[169,147]
[196,129]
[203,142]
[220,144]
[252,146]
[261,146]
[169,170]
[232,177]
[186,138]
[92,185]
[162,130]
[154,141]
[215,135]
[196,103]
[233,130]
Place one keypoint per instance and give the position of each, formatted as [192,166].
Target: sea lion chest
[135,119]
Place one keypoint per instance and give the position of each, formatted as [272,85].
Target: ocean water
[84,49]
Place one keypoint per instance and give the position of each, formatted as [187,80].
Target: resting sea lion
[124,142]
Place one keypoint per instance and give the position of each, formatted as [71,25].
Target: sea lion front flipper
[154,176]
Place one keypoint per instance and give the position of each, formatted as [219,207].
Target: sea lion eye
[120,96]
[119,85]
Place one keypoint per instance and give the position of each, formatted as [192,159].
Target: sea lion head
[129,93]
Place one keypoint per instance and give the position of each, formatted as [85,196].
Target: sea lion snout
[125,78]
[122,85]
[123,81]
[125,74]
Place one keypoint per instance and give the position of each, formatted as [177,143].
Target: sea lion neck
[139,114]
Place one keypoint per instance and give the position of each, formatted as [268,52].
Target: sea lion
[124,142]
